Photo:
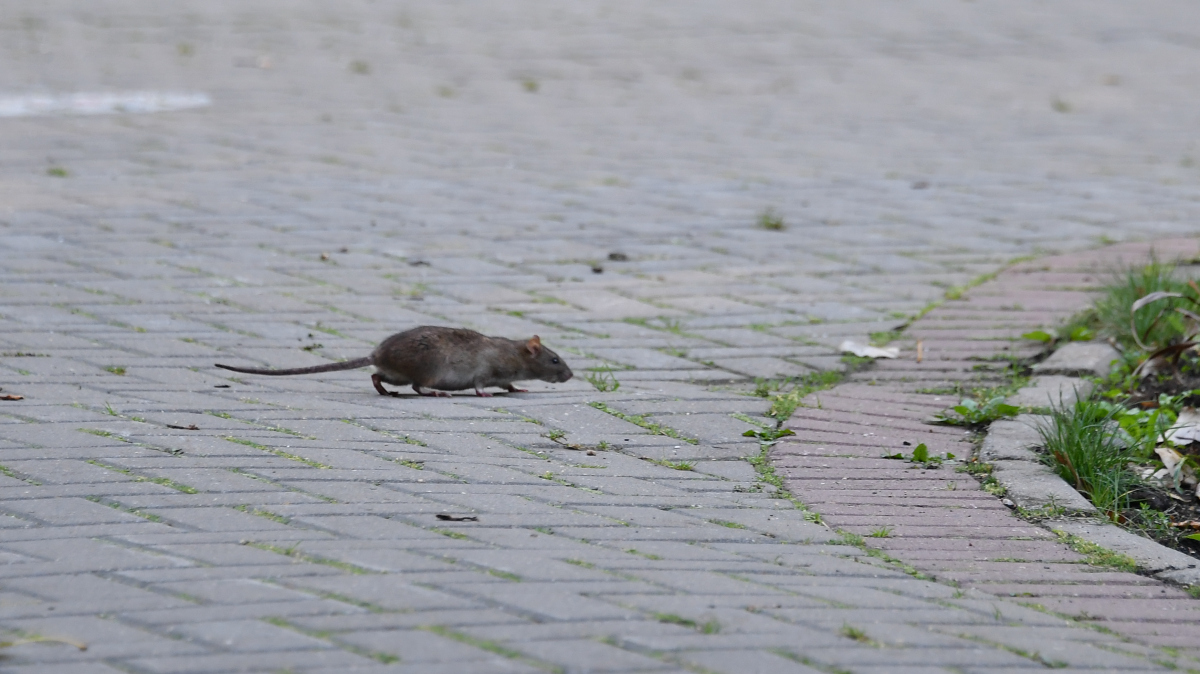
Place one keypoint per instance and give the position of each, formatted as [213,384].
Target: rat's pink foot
[483,394]
[514,389]
[430,394]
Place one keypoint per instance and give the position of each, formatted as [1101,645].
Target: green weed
[728,524]
[1156,324]
[640,420]
[771,221]
[277,452]
[783,405]
[855,633]
[1097,555]
[1088,455]
[920,455]
[971,413]
[676,465]
[603,380]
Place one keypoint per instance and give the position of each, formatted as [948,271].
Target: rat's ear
[534,345]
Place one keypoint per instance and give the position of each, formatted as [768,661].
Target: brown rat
[450,359]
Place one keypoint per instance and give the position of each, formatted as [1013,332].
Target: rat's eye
[554,360]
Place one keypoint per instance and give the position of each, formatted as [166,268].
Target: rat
[449,359]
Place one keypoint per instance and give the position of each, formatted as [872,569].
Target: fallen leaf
[1169,457]
[868,351]
[1152,366]
[189,427]
[11,396]
[450,517]
[1186,429]
[1152,297]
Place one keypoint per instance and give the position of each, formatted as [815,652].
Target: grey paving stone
[749,661]
[1051,391]
[395,167]
[1013,440]
[1093,359]
[248,635]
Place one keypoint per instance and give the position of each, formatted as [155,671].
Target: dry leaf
[11,396]
[1169,457]
[1186,429]
[1152,297]
[868,351]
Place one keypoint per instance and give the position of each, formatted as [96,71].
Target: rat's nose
[566,375]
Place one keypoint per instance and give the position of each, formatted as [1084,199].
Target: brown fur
[448,359]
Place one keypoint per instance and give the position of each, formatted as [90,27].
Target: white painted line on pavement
[100,103]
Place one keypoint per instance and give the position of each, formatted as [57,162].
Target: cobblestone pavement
[588,173]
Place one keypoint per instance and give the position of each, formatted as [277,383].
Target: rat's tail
[328,367]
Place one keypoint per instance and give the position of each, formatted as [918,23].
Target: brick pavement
[940,521]
[366,167]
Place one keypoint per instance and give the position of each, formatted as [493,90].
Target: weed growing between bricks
[493,647]
[857,541]
[640,420]
[326,635]
[295,553]
[784,403]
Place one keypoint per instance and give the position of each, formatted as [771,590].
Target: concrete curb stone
[1028,481]
[1149,555]
[1078,359]
[1033,485]
[1051,391]
[1011,440]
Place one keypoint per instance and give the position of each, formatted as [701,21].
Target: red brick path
[942,522]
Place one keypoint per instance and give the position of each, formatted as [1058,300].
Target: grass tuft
[1158,323]
[771,221]
[1087,454]
[783,405]
[603,380]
